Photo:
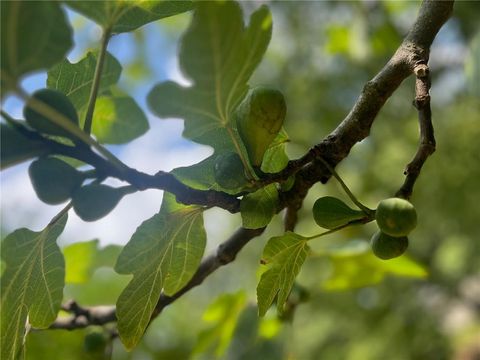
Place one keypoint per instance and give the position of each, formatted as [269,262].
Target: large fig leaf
[218,54]
[123,16]
[164,252]
[32,283]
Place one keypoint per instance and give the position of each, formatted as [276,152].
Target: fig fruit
[330,213]
[94,201]
[56,100]
[259,118]
[229,171]
[95,342]
[388,247]
[396,217]
[54,180]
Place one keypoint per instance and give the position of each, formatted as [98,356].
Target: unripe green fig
[330,213]
[95,342]
[54,180]
[57,101]
[388,247]
[94,201]
[229,171]
[396,217]
[259,118]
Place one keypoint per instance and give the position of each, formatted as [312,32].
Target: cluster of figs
[395,218]
[56,181]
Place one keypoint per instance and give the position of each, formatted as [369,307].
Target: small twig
[427,143]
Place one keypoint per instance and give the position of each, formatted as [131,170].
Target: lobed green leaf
[75,79]
[218,54]
[285,256]
[258,208]
[164,252]
[32,283]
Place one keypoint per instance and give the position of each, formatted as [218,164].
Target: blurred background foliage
[347,305]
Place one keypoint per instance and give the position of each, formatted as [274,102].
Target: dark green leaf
[54,180]
[218,54]
[284,256]
[32,283]
[164,253]
[35,36]
[122,16]
[75,80]
[16,148]
[330,213]
[94,201]
[259,207]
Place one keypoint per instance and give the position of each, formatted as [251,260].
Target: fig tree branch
[309,169]
[427,143]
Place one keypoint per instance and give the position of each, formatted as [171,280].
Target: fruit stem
[87,127]
[60,214]
[369,212]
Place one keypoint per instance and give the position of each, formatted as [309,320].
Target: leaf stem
[352,197]
[87,127]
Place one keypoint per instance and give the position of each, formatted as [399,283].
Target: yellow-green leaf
[218,53]
[285,256]
[83,258]
[164,253]
[32,283]
[259,207]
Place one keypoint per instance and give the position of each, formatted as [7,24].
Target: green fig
[229,171]
[94,201]
[396,217]
[57,101]
[330,213]
[259,118]
[95,342]
[54,180]
[388,247]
